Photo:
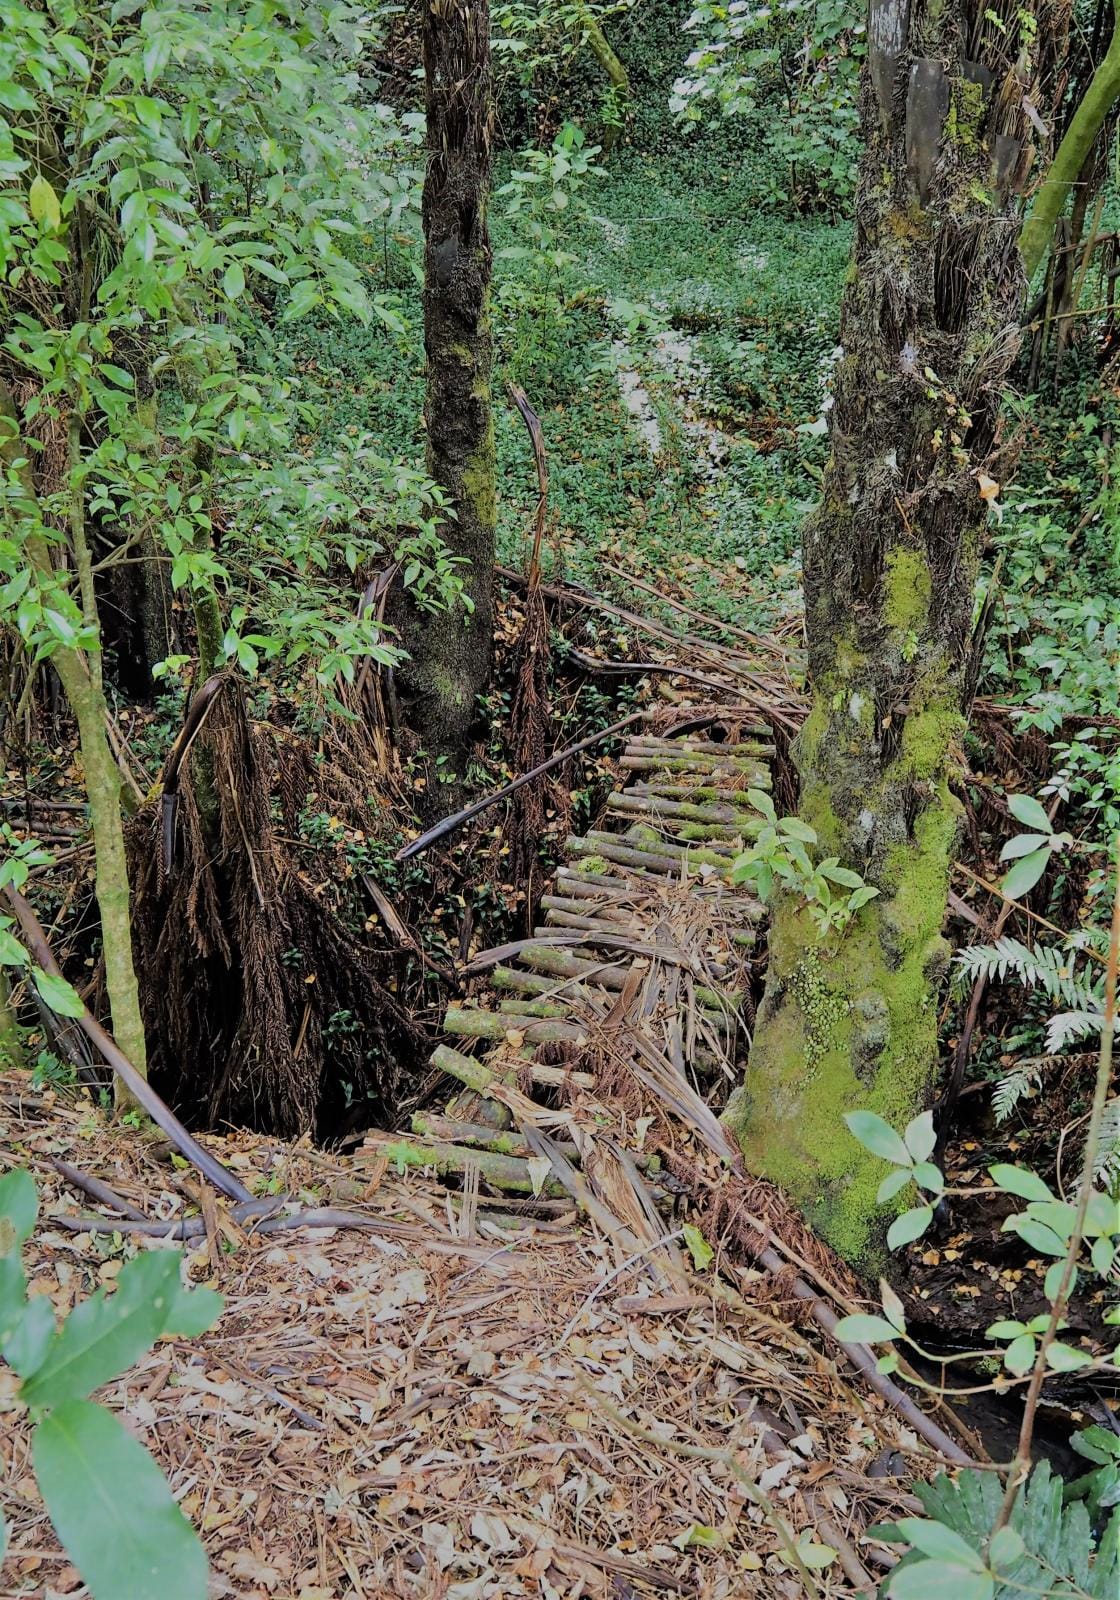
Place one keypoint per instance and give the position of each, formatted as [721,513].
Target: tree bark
[929,329]
[450,653]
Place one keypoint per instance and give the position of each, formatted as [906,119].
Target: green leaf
[863,1329]
[1027,810]
[698,1247]
[106,1334]
[940,1543]
[1006,1547]
[19,1209]
[1005,1330]
[1053,1280]
[12,953]
[892,1183]
[794,828]
[762,802]
[1023,844]
[1019,1180]
[112,1509]
[878,1137]
[938,1580]
[57,995]
[1102,1254]
[192,1311]
[24,1343]
[929,1177]
[920,1136]
[1036,1234]
[908,1227]
[1019,1355]
[1066,1358]
[1025,874]
[43,201]
[234,280]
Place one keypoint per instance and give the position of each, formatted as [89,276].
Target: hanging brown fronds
[261,1007]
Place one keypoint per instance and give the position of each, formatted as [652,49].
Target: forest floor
[431,1406]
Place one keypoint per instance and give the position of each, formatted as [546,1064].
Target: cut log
[747,822]
[477,1075]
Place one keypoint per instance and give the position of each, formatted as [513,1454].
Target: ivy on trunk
[929,331]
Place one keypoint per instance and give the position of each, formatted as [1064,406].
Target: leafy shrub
[109,1503]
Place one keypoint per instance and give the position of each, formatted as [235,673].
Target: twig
[139,1087]
[96,1190]
[460,818]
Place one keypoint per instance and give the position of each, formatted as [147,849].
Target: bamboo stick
[653,806]
[470,1023]
[478,1076]
[501,1171]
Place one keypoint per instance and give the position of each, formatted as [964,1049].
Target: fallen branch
[141,1090]
[460,818]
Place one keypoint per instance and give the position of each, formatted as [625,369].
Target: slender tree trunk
[11,1045]
[600,47]
[450,654]
[929,329]
[82,686]
[1072,154]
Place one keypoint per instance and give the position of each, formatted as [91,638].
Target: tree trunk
[450,653]
[1073,153]
[929,329]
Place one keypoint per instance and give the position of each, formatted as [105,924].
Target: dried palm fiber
[261,1008]
[530,716]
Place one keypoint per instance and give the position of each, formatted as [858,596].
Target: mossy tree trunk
[929,329]
[450,654]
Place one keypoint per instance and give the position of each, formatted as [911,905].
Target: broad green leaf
[698,1247]
[920,1136]
[878,1137]
[940,1543]
[762,802]
[56,994]
[1102,1254]
[1023,844]
[1005,1330]
[25,1340]
[12,953]
[892,1183]
[909,1226]
[1025,874]
[863,1329]
[929,1177]
[43,202]
[1019,1180]
[19,1209]
[1019,1355]
[1036,1234]
[1053,1280]
[106,1334]
[938,1580]
[893,1309]
[192,1311]
[794,828]
[1066,1358]
[1030,812]
[1006,1547]
[234,280]
[112,1509]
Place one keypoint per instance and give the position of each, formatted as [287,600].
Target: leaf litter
[457,1403]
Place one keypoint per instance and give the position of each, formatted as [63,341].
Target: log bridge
[641,965]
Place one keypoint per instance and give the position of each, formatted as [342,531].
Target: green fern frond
[1047,967]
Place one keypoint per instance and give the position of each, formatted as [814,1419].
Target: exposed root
[261,1008]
